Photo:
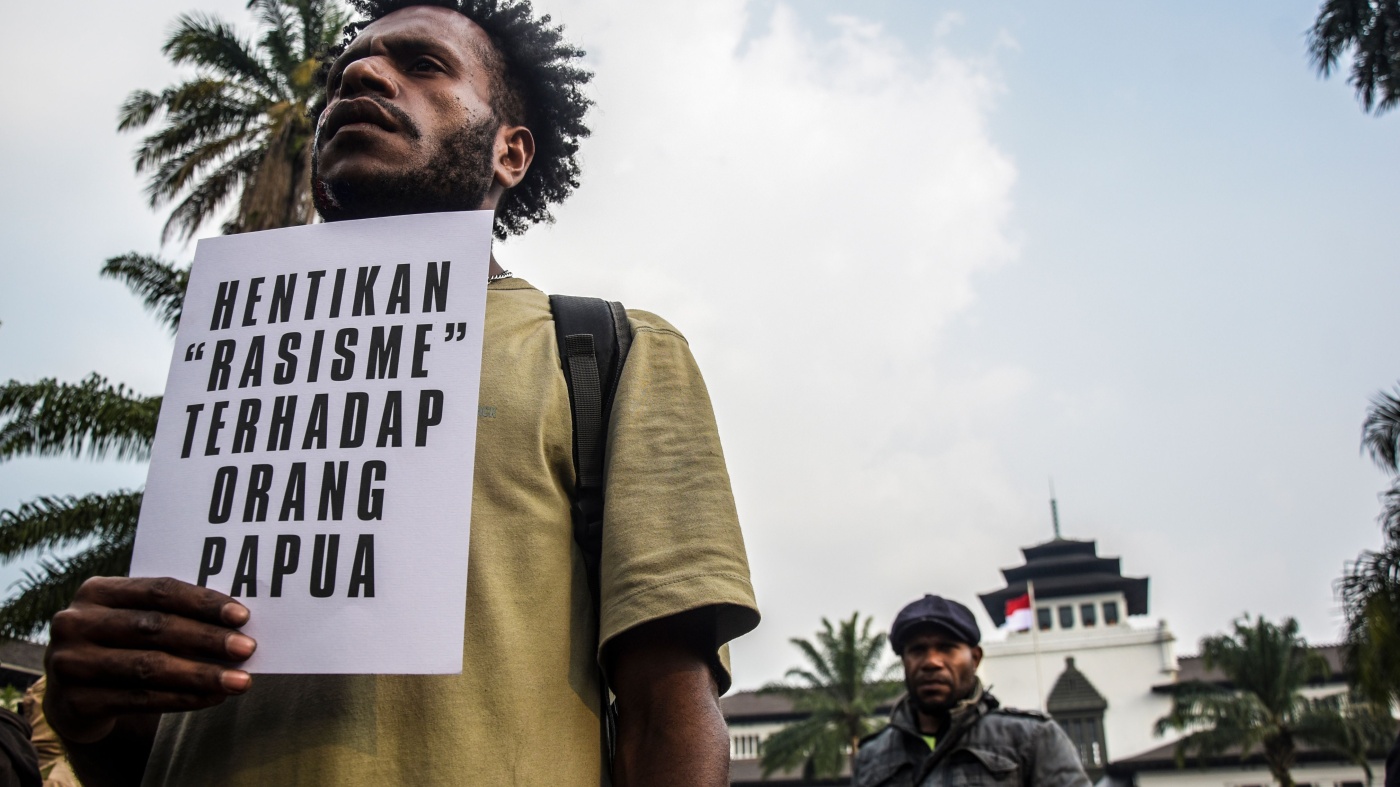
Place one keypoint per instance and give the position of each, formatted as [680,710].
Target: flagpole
[1035,643]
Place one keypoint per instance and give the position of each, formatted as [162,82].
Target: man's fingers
[144,671]
[164,595]
[180,636]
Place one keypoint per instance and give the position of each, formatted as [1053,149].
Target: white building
[1084,640]
[1095,663]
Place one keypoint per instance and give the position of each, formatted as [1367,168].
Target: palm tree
[243,126]
[93,419]
[1262,706]
[1371,29]
[1370,590]
[840,690]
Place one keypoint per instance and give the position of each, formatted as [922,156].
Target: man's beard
[457,177]
[956,695]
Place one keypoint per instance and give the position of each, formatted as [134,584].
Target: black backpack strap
[594,337]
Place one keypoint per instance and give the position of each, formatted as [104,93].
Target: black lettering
[421,348]
[212,561]
[316,423]
[383,361]
[294,498]
[254,285]
[398,291]
[372,499]
[223,306]
[259,483]
[336,292]
[194,410]
[362,573]
[343,368]
[216,424]
[352,428]
[245,577]
[364,291]
[285,559]
[279,431]
[252,364]
[281,308]
[221,365]
[333,491]
[245,430]
[221,502]
[286,370]
[314,368]
[315,278]
[435,290]
[429,414]
[323,565]
[391,423]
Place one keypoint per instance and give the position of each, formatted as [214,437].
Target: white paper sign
[316,441]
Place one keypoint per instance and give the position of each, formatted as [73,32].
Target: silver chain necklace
[504,274]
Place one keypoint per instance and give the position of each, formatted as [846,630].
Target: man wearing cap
[949,729]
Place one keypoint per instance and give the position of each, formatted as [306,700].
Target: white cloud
[810,208]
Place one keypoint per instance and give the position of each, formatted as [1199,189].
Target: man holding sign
[435,107]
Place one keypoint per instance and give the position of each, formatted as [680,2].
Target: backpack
[594,337]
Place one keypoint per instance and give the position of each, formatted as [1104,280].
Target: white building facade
[1097,664]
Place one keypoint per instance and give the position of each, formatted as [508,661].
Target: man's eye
[424,64]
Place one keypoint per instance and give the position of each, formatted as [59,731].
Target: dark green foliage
[243,125]
[92,418]
[539,85]
[160,285]
[1371,29]
[1370,589]
[46,590]
[841,689]
[1263,709]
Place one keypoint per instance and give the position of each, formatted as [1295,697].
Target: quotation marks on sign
[456,331]
[195,352]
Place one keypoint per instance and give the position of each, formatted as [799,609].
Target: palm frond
[840,688]
[1380,434]
[205,200]
[210,43]
[159,284]
[92,418]
[56,523]
[48,588]
[1371,29]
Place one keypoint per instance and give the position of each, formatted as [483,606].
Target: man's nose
[932,662]
[367,75]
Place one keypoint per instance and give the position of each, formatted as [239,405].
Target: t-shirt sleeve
[671,539]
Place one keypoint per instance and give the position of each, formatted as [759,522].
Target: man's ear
[976,656]
[515,150]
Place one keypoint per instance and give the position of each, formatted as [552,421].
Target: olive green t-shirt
[524,711]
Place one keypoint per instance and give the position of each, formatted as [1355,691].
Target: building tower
[1090,658]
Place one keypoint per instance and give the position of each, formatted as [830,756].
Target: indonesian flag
[1018,613]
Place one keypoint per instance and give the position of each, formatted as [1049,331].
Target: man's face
[939,669]
[408,126]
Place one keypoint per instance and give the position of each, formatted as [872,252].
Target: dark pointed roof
[1073,693]
[1066,567]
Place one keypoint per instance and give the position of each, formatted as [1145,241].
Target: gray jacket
[984,744]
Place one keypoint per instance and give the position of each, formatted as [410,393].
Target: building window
[1043,618]
[1067,617]
[745,747]
[1110,613]
[1086,733]
[1087,616]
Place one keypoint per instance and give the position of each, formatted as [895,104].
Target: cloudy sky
[929,255]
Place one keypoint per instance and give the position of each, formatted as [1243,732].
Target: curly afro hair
[537,83]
